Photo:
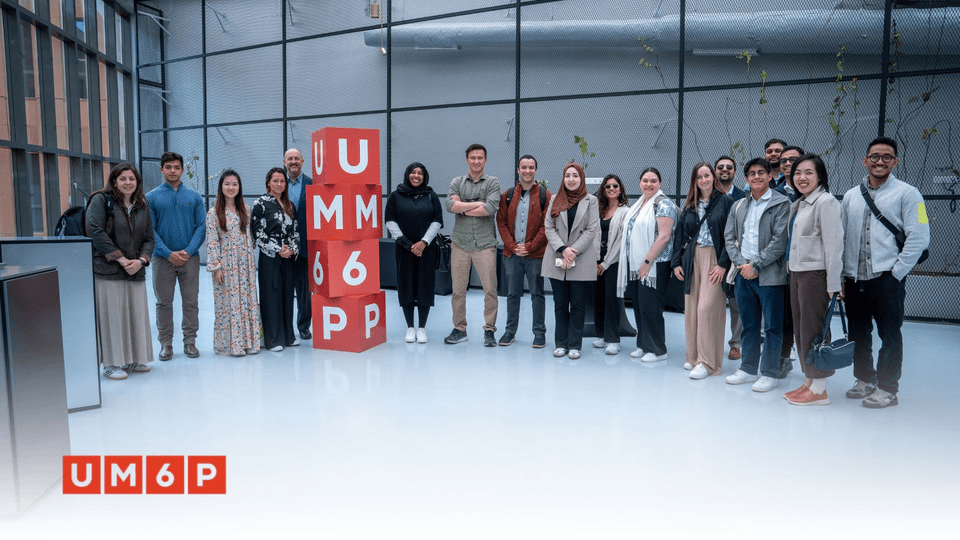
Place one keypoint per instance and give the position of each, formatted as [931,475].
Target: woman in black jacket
[700,261]
[414,216]
[118,221]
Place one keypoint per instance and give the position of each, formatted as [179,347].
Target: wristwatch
[144,262]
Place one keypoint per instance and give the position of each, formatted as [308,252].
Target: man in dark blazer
[293,161]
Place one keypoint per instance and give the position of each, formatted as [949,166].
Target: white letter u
[318,154]
[345,165]
[73,475]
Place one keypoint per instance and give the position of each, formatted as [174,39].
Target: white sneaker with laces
[699,372]
[574,354]
[687,366]
[651,357]
[637,353]
[421,335]
[411,335]
[114,373]
[278,348]
[741,377]
[559,352]
[599,343]
[612,348]
[765,384]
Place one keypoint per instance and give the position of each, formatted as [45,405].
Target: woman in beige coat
[814,257]
[572,226]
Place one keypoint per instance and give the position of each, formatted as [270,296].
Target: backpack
[73,222]
[543,198]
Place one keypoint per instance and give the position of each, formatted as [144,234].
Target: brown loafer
[190,350]
[166,352]
[734,353]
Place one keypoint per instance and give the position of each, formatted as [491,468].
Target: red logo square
[165,475]
[207,475]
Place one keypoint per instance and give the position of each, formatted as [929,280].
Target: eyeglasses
[790,160]
[612,186]
[886,158]
[724,167]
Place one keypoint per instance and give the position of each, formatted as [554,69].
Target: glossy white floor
[454,441]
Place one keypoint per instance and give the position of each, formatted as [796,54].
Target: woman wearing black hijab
[414,217]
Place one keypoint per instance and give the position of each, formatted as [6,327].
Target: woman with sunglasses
[607,307]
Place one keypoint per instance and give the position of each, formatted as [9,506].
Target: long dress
[236,326]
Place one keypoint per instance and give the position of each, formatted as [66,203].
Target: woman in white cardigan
[815,259]
[614,206]
[572,225]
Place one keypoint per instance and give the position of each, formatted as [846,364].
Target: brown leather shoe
[166,352]
[734,353]
[190,350]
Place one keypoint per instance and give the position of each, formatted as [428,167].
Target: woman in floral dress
[273,225]
[231,258]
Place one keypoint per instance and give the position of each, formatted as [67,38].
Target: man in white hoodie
[875,267]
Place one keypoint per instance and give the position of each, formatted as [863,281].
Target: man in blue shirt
[178,225]
[293,161]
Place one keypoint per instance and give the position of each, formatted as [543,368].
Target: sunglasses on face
[724,167]
[790,160]
[612,186]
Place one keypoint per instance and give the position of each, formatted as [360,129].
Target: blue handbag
[831,355]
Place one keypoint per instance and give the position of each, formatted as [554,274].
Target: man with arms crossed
[726,173]
[520,221]
[474,199]
[875,269]
[179,229]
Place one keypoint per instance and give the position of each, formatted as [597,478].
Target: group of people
[779,252]
[249,249]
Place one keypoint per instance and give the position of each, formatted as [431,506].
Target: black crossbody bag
[900,236]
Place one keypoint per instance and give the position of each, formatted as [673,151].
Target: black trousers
[606,305]
[569,310]
[301,287]
[275,279]
[648,311]
[881,300]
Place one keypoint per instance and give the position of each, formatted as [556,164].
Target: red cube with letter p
[344,268]
[346,156]
[349,323]
[349,212]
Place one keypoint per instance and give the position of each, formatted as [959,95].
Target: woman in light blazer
[572,227]
[614,206]
[815,259]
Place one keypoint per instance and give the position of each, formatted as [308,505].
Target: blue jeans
[517,268]
[760,303]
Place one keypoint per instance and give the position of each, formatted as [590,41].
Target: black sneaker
[507,339]
[457,336]
[488,339]
[539,342]
[786,366]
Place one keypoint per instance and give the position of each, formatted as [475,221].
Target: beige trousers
[485,261]
[705,314]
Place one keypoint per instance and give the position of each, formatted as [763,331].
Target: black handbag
[831,355]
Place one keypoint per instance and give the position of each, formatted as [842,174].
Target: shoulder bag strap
[897,233]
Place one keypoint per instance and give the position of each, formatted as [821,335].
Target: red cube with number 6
[344,268]
[349,323]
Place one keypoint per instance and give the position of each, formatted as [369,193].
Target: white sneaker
[741,377]
[296,342]
[421,335]
[765,384]
[612,348]
[574,354]
[411,335]
[278,348]
[115,373]
[637,353]
[559,352]
[651,357]
[699,372]
[599,343]
[687,366]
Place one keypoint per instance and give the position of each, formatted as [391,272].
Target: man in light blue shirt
[298,181]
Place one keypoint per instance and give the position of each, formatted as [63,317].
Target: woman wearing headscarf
[572,227]
[414,216]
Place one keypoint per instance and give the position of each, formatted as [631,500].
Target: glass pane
[358,68]
[27,4]
[104,112]
[101,31]
[78,9]
[122,116]
[250,149]
[4,105]
[56,17]
[36,194]
[31,82]
[60,95]
[232,24]
[184,93]
[184,24]
[234,94]
[8,207]
[445,62]
[121,37]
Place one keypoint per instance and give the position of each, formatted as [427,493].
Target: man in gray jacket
[756,239]
[875,269]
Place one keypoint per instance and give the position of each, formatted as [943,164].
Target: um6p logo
[145,475]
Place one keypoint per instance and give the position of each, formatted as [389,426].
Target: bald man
[297,181]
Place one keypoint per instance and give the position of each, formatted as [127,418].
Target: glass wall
[663,83]
[66,79]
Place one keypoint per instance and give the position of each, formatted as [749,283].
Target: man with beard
[726,172]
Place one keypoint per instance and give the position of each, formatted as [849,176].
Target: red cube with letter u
[344,268]
[346,156]
[349,323]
